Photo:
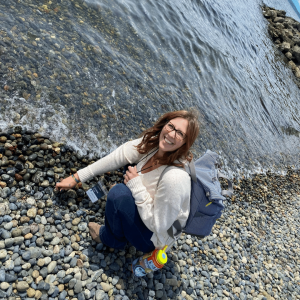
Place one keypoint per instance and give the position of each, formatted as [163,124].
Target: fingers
[126,178]
[60,186]
[132,169]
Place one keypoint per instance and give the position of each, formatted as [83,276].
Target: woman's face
[169,140]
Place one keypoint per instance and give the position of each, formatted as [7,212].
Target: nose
[172,134]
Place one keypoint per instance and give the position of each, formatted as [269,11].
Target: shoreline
[46,251]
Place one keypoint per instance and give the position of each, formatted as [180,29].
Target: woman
[138,210]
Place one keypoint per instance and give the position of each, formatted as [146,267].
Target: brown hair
[151,137]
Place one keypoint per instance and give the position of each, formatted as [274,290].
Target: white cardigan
[159,209]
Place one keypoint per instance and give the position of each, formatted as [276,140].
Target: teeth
[168,142]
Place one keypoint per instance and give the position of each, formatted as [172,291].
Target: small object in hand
[97,191]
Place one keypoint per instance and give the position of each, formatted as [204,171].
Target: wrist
[76,178]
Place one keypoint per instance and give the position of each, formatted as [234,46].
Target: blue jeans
[123,223]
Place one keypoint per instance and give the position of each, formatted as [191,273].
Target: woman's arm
[125,154]
[159,213]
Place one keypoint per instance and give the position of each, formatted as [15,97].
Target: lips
[168,141]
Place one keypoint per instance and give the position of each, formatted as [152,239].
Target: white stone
[3,253]
[31,201]
[47,260]
[51,266]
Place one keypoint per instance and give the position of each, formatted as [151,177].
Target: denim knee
[118,195]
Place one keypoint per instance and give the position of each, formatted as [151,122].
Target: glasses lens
[180,135]
[170,127]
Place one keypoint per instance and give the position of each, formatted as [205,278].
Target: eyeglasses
[178,133]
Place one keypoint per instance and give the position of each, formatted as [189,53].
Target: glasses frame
[176,130]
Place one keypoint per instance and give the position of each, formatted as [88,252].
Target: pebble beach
[46,251]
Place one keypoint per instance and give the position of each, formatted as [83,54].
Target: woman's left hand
[130,174]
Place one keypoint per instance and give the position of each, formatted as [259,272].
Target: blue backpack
[206,197]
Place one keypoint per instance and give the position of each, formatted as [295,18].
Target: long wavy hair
[151,137]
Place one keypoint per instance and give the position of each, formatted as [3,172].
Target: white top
[158,208]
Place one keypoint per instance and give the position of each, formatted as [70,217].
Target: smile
[168,142]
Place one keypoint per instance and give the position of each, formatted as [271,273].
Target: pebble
[76,221]
[3,253]
[31,213]
[22,286]
[4,285]
[106,287]
[51,266]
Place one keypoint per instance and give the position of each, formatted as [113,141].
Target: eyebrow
[176,128]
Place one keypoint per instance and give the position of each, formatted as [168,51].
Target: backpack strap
[228,192]
[176,223]
[178,228]
[191,170]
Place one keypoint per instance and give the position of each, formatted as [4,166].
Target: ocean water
[296,5]
[96,73]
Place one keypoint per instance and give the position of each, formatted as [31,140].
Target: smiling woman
[140,210]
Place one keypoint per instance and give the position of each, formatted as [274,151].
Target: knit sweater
[158,206]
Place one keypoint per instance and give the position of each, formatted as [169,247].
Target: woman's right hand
[67,183]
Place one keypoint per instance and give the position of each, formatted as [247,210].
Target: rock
[48,236]
[4,209]
[31,201]
[72,194]
[3,253]
[16,232]
[43,286]
[22,286]
[9,242]
[57,215]
[82,226]
[2,276]
[76,221]
[35,274]
[10,278]
[26,255]
[50,278]
[55,241]
[18,240]
[75,246]
[285,47]
[5,234]
[106,287]
[296,53]
[34,228]
[40,241]
[78,287]
[51,266]
[28,236]
[278,20]
[35,252]
[172,282]
[4,285]
[24,219]
[31,293]
[38,294]
[41,262]
[100,295]
[8,226]
[297,72]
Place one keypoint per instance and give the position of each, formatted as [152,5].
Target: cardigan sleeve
[125,154]
[159,213]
